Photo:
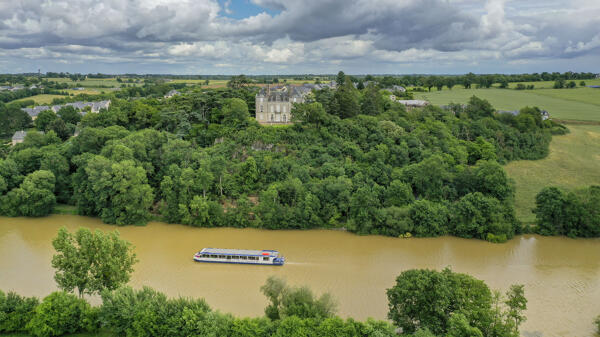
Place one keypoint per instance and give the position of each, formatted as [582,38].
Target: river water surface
[561,275]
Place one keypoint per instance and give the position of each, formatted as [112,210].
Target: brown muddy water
[561,275]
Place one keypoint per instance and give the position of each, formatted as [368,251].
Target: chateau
[273,105]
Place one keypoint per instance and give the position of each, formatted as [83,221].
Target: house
[545,114]
[78,88]
[394,88]
[17,87]
[172,93]
[35,111]
[80,106]
[274,104]
[18,137]
[413,103]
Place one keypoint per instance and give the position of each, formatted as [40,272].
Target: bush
[597,321]
[60,313]
[15,312]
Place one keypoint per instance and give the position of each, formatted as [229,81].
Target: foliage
[15,311]
[453,304]
[286,301]
[575,214]
[91,261]
[60,313]
[353,159]
[33,197]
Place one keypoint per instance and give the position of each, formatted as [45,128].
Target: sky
[299,36]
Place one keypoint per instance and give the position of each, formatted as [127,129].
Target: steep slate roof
[33,112]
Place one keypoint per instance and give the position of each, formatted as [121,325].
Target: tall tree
[90,262]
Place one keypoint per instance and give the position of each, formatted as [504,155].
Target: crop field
[573,162]
[86,91]
[40,99]
[93,82]
[570,104]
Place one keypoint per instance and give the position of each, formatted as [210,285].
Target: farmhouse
[18,137]
[35,111]
[172,93]
[273,105]
[94,107]
[412,103]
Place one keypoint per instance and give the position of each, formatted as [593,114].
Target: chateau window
[261,99]
[272,108]
[294,99]
[272,118]
[261,107]
[278,107]
[284,108]
[284,118]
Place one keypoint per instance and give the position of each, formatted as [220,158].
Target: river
[561,275]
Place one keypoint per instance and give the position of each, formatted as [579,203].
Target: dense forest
[354,159]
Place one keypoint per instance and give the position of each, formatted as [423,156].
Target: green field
[573,162]
[93,82]
[570,104]
[41,99]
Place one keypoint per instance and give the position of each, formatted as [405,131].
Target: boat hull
[269,263]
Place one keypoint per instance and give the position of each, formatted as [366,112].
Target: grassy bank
[573,163]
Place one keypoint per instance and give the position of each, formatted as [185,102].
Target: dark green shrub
[15,312]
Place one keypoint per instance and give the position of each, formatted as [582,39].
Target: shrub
[58,314]
[15,312]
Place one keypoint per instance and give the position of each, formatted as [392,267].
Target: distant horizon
[293,74]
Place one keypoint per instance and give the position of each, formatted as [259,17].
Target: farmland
[574,158]
[41,99]
[570,104]
[572,163]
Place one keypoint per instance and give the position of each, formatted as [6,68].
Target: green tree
[517,304]
[90,262]
[15,312]
[371,104]
[34,197]
[235,112]
[69,114]
[60,128]
[346,100]
[427,299]
[58,314]
[286,301]
[44,119]
[340,79]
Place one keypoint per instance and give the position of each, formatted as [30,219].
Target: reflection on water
[561,276]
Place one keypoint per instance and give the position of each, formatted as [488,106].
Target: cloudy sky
[299,36]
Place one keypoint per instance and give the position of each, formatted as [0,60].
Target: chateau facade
[274,105]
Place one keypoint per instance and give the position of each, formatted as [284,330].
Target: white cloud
[309,36]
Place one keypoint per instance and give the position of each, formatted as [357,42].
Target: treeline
[422,303]
[571,213]
[354,160]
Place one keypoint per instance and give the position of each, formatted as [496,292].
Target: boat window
[242,257]
[235,257]
[228,257]
[265,258]
[222,256]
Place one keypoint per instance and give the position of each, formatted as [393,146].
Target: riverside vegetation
[421,303]
[353,159]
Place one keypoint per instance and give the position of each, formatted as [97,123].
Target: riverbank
[560,274]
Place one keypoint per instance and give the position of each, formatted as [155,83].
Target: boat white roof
[226,251]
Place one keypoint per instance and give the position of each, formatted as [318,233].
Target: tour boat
[241,256]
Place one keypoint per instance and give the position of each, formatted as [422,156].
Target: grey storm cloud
[301,32]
